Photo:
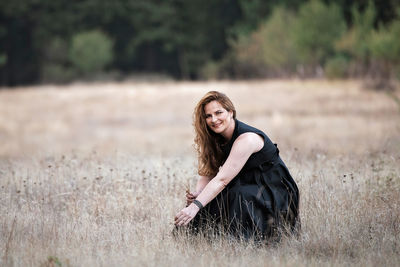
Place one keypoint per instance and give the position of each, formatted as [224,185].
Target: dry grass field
[92,174]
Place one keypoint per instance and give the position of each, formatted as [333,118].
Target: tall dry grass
[92,175]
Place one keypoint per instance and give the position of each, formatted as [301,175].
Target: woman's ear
[231,114]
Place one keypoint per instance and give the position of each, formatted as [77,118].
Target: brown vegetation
[93,174]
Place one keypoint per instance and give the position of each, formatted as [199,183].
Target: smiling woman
[244,188]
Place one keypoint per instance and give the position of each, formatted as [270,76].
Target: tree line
[58,41]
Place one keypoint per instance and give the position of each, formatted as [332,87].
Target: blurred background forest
[48,41]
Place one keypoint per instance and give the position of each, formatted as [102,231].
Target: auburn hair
[206,142]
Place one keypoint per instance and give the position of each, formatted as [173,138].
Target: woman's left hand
[186,215]
[190,196]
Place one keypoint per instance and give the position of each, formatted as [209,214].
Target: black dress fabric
[261,199]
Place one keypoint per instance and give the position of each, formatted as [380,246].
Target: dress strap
[277,149]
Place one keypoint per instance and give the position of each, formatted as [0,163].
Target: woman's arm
[245,145]
[202,182]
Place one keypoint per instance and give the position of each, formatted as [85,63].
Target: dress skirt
[257,204]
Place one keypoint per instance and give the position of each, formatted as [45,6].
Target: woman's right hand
[190,196]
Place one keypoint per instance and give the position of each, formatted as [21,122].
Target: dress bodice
[268,153]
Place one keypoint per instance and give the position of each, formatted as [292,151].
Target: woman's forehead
[212,106]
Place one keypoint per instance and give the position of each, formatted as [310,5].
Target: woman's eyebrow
[212,112]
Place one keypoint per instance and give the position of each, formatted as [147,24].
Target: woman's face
[217,117]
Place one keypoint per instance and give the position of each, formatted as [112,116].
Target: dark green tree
[317,29]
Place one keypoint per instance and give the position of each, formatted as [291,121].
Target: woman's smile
[216,125]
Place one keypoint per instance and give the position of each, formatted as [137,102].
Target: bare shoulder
[250,137]
[251,140]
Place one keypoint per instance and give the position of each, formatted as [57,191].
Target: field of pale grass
[92,174]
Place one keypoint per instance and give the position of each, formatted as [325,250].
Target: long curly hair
[206,142]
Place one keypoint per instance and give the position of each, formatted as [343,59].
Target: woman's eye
[219,112]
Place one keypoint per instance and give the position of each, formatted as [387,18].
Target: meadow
[93,174]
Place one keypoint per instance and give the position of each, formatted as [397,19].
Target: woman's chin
[217,130]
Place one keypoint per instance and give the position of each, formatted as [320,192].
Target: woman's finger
[187,221]
[179,216]
[181,222]
[184,216]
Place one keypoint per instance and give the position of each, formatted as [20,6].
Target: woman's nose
[214,118]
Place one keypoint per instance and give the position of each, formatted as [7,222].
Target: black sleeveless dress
[261,199]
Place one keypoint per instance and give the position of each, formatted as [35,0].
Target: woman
[244,187]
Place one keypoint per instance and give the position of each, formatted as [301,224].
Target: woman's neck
[228,133]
